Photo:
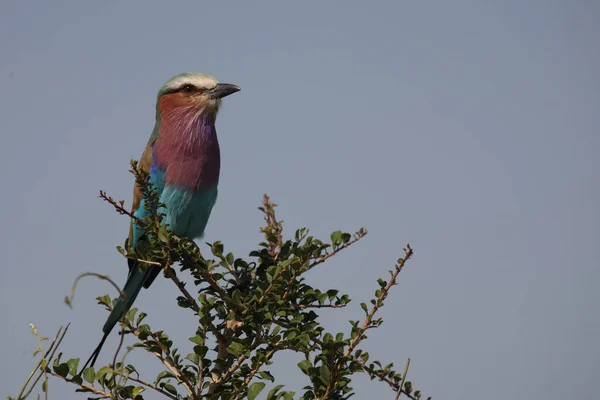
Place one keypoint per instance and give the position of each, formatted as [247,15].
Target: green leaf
[193,357]
[289,395]
[346,237]
[163,375]
[255,389]
[235,348]
[140,318]
[131,314]
[273,392]
[62,369]
[336,238]
[266,375]
[162,234]
[137,390]
[103,371]
[89,374]
[104,300]
[305,365]
[73,363]
[201,350]
[183,302]
[324,372]
[170,388]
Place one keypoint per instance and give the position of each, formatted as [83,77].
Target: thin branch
[210,280]
[378,302]
[268,356]
[253,372]
[178,374]
[42,363]
[322,259]
[200,380]
[332,375]
[272,284]
[145,261]
[273,225]
[119,206]
[121,340]
[302,306]
[381,375]
[151,386]
[231,370]
[182,289]
[122,296]
[106,395]
[403,379]
[232,272]
[69,299]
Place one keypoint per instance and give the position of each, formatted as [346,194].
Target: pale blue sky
[468,128]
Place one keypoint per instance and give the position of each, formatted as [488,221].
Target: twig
[302,306]
[378,302]
[382,377]
[182,289]
[178,374]
[232,272]
[318,261]
[69,299]
[50,352]
[145,261]
[151,386]
[257,367]
[122,296]
[322,259]
[83,385]
[403,379]
[119,206]
[253,372]
[201,364]
[121,340]
[273,225]
[272,284]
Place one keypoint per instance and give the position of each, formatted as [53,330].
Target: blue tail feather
[135,282]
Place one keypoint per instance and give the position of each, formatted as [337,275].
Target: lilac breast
[190,157]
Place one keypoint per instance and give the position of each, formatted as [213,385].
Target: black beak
[222,90]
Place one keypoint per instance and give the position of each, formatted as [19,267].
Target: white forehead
[201,81]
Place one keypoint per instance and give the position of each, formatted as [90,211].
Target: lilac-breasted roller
[183,159]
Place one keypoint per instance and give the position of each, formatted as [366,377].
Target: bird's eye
[188,88]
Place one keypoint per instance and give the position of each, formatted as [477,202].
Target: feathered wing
[136,278]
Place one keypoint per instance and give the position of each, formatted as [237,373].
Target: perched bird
[183,159]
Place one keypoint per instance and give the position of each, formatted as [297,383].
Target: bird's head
[192,93]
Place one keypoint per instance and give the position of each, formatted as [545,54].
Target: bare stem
[151,386]
[384,292]
[381,375]
[97,391]
[403,379]
[42,363]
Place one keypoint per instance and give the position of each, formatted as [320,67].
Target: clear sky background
[469,129]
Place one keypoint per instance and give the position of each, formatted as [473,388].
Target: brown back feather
[145,164]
